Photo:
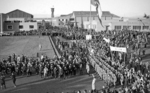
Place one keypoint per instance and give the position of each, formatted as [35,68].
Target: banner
[88,37]
[107,40]
[119,49]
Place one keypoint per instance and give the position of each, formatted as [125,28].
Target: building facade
[79,17]
[119,24]
[17,20]
[89,20]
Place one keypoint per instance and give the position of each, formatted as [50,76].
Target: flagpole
[90,16]
[1,24]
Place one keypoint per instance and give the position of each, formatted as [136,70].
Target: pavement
[36,84]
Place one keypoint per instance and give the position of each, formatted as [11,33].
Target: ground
[35,84]
[27,45]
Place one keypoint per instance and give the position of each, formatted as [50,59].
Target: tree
[146,16]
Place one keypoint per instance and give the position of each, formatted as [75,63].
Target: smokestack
[52,12]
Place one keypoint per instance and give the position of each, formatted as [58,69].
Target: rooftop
[19,11]
[94,13]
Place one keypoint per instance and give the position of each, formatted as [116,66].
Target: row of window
[63,20]
[10,27]
[72,19]
[15,21]
[93,26]
[134,27]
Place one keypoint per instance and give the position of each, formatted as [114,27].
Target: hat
[103,87]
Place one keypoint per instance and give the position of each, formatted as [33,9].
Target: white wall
[26,26]
[115,22]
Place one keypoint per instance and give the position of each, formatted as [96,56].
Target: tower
[52,12]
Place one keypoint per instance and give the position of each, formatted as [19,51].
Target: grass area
[27,45]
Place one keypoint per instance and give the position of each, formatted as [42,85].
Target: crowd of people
[118,69]
[70,64]
[124,70]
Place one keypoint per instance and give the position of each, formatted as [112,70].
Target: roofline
[19,10]
[90,11]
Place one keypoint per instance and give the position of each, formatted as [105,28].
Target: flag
[119,49]
[107,40]
[96,3]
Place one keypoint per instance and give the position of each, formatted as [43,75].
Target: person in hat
[88,69]
[93,84]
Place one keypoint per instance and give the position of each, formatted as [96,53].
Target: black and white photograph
[74,46]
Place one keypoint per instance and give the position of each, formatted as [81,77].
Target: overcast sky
[41,8]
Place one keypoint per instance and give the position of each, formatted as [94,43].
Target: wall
[26,26]
[2,19]
[88,18]
[15,27]
[115,22]
[55,22]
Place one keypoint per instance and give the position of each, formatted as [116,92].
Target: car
[4,34]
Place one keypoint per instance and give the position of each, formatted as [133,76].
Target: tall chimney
[52,12]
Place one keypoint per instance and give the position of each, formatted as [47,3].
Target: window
[136,27]
[93,18]
[87,26]
[71,19]
[87,18]
[126,27]
[62,19]
[10,27]
[118,27]
[21,27]
[31,26]
[145,27]
[94,26]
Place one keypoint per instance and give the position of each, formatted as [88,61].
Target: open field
[27,45]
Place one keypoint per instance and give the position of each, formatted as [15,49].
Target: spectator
[2,81]
[93,84]
[14,78]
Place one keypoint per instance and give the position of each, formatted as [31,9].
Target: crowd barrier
[54,47]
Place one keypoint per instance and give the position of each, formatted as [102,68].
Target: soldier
[88,68]
[65,71]
[74,69]
[70,69]
[41,69]
[55,72]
